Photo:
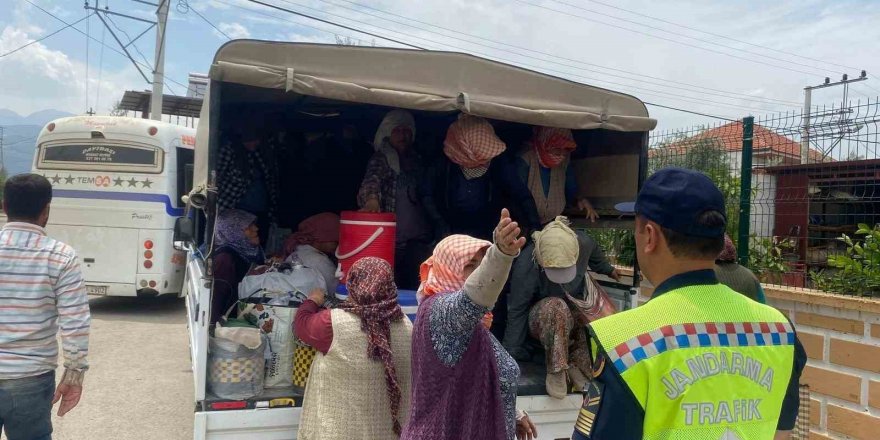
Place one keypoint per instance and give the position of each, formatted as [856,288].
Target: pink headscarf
[315,229]
[728,254]
[471,143]
[553,145]
[443,272]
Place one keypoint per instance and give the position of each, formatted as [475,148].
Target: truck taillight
[148,244]
[152,284]
[148,264]
[148,254]
[51,126]
[152,131]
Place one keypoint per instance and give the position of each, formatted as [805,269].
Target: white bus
[117,186]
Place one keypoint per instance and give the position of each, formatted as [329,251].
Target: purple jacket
[458,402]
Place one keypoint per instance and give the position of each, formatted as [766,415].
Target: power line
[689,111]
[335,24]
[100,69]
[44,37]
[533,66]
[266,14]
[88,59]
[591,11]
[203,18]
[719,35]
[723,93]
[665,38]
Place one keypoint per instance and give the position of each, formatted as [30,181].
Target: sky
[727,59]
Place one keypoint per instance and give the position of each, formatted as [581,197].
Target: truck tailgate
[107,255]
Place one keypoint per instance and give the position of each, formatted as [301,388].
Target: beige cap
[556,250]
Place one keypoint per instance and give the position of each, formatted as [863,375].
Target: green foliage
[619,245]
[767,256]
[857,270]
[709,157]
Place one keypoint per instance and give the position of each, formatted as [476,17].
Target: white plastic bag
[298,281]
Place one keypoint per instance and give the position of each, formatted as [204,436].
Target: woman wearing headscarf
[392,183]
[359,384]
[236,250]
[464,383]
[247,176]
[461,192]
[314,245]
[544,167]
[738,278]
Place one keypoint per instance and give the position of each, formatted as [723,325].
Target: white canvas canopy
[417,80]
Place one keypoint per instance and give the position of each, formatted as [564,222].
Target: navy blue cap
[675,198]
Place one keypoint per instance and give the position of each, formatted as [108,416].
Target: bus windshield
[91,156]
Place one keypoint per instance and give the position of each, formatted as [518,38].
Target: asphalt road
[139,385]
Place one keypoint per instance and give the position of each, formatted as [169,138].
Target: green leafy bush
[857,270]
[767,257]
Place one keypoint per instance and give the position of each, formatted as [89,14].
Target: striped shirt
[41,289]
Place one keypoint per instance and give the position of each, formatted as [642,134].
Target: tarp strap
[464,102]
[288,86]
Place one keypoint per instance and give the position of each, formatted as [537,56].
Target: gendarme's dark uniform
[699,361]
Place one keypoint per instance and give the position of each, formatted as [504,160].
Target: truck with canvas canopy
[308,92]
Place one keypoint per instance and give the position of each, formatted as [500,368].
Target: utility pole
[159,69]
[2,158]
[808,91]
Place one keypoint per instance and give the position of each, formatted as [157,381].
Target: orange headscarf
[553,145]
[471,143]
[443,272]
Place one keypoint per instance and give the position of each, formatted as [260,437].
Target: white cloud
[233,30]
[43,78]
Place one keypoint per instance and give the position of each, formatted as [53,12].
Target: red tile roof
[765,141]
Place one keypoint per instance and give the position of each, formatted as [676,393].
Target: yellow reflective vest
[702,361]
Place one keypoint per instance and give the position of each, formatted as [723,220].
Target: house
[769,149]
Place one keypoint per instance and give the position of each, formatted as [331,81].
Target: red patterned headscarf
[471,143]
[443,272]
[372,296]
[553,145]
[728,254]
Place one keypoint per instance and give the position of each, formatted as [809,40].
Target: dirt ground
[139,385]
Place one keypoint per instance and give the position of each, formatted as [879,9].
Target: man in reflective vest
[698,361]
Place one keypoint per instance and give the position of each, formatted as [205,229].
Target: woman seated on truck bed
[348,396]
[464,383]
[314,244]
[236,249]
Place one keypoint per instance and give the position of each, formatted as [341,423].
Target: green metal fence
[803,193]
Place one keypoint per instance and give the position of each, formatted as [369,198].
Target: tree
[708,156]
[116,110]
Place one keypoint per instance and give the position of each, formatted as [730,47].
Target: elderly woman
[544,167]
[314,244]
[464,383]
[393,183]
[359,385]
[738,278]
[236,250]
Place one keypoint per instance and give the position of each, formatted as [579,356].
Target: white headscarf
[394,118]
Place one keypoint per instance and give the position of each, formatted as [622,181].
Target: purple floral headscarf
[231,224]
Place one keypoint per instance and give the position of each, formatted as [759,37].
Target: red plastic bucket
[365,234]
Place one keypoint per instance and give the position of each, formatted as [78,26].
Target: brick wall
[841,336]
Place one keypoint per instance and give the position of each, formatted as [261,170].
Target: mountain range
[19,135]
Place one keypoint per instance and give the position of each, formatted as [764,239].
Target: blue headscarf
[231,224]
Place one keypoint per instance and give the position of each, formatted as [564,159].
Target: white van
[317,86]
[116,192]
